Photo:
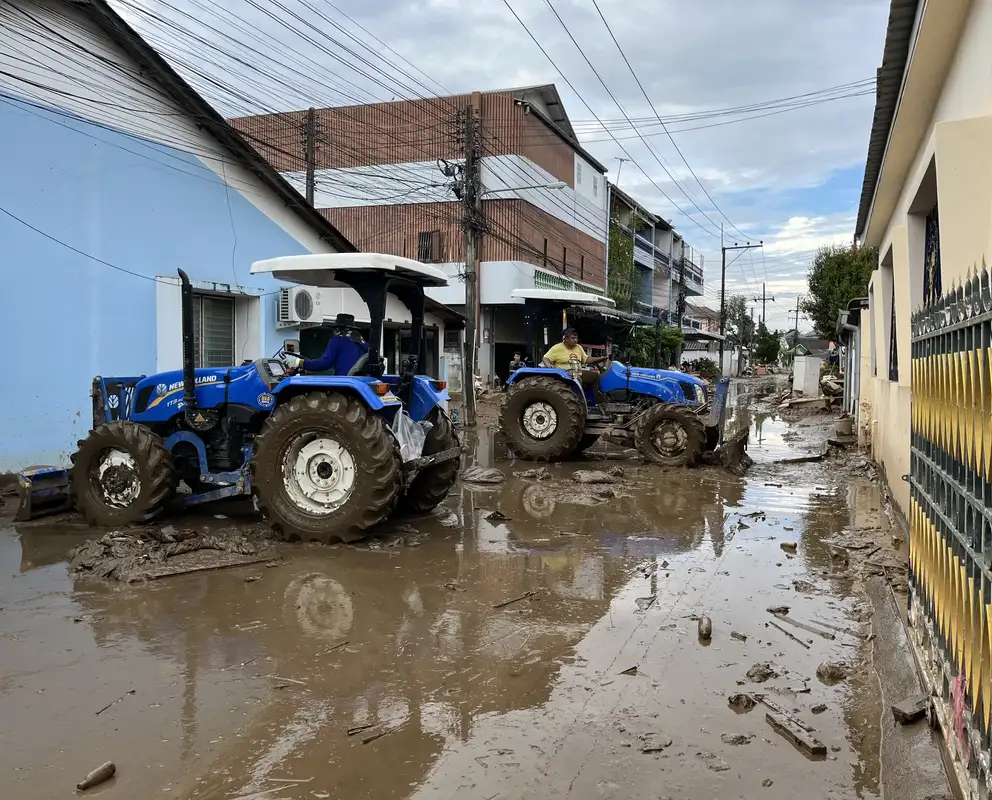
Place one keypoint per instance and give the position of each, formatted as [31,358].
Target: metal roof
[889,78]
[157,68]
[327,269]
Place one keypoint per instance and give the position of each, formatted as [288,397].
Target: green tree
[768,345]
[838,274]
[740,324]
[621,280]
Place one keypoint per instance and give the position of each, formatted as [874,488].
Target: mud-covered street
[533,638]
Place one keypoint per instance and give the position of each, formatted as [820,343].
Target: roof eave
[187,97]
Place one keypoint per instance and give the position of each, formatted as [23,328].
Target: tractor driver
[567,352]
[343,350]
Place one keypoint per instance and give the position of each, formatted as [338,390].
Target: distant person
[518,362]
[343,350]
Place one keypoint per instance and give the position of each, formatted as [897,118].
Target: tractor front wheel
[325,468]
[121,475]
[670,435]
[431,485]
[542,419]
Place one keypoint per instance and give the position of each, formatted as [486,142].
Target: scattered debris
[115,702]
[150,553]
[644,603]
[819,709]
[359,729]
[630,670]
[761,672]
[738,636]
[782,610]
[911,709]
[789,547]
[803,587]
[616,471]
[379,734]
[760,516]
[455,586]
[104,772]
[741,702]
[791,636]
[831,672]
[251,578]
[524,596]
[767,782]
[488,475]
[736,739]
[332,648]
[806,742]
[714,762]
[593,476]
[497,516]
[705,628]
[654,742]
[796,623]
[290,680]
[539,474]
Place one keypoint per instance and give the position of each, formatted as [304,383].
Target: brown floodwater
[402,669]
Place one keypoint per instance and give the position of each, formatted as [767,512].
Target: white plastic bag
[410,435]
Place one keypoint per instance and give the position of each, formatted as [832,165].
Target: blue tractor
[325,457]
[552,414]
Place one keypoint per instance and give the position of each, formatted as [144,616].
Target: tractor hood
[643,373]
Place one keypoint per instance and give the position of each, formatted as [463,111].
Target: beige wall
[940,150]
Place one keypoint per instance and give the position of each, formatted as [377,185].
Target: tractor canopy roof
[338,270]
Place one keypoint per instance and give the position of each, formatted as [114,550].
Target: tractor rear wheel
[542,419]
[431,485]
[325,468]
[671,435]
[121,474]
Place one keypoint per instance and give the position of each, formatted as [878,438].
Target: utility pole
[723,285]
[764,299]
[472,226]
[309,140]
[796,338]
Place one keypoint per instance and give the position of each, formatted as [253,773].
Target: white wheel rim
[319,474]
[117,475]
[540,420]
[670,438]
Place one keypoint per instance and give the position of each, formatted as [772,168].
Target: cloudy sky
[790,178]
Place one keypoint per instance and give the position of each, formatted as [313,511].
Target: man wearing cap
[341,354]
[569,354]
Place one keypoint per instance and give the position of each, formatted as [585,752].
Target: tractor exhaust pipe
[189,344]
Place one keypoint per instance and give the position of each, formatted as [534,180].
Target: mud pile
[151,553]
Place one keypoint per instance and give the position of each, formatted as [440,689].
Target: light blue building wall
[65,317]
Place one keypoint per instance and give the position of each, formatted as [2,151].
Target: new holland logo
[161,389]
[113,401]
[266,400]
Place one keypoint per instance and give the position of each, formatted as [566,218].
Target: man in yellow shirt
[569,354]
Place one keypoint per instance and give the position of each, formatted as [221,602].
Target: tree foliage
[740,324]
[622,269]
[837,275]
[636,347]
[768,346]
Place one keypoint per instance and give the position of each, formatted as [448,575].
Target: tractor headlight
[700,394]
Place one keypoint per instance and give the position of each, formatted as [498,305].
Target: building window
[429,246]
[578,172]
[545,252]
[931,260]
[893,338]
[564,260]
[871,329]
[582,267]
[213,330]
[595,186]
[452,337]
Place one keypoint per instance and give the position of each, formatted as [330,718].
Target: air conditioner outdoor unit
[298,307]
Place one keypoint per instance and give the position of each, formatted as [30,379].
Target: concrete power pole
[309,139]
[472,228]
[723,286]
[764,299]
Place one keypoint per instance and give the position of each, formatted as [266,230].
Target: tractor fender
[362,388]
[544,372]
[191,438]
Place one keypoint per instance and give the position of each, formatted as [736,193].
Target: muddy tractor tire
[430,486]
[121,475]
[542,419]
[325,469]
[670,435]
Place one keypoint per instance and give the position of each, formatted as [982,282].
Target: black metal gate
[951,519]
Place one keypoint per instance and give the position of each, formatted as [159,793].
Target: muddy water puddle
[476,655]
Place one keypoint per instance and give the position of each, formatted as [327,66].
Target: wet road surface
[471,655]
